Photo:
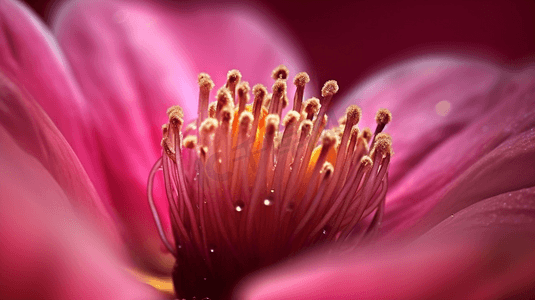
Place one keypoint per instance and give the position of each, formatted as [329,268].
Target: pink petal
[487,106]
[492,155]
[47,250]
[485,252]
[133,60]
[31,69]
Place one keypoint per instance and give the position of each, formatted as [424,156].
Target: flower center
[245,193]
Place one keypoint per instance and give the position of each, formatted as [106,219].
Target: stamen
[277,99]
[243,96]
[383,117]
[280,72]
[224,99]
[312,107]
[252,195]
[205,86]
[233,78]
[300,81]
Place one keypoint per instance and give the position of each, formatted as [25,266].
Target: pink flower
[459,217]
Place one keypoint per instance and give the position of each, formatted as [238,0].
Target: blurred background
[348,40]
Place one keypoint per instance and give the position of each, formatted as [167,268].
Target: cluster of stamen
[246,191]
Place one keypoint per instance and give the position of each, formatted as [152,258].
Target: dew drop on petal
[239,206]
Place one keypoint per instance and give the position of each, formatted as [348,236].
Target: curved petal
[412,89]
[485,252]
[447,114]
[46,250]
[29,58]
[133,60]
[492,155]
[49,247]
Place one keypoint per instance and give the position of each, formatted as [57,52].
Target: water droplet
[204,278]
[267,202]
[179,246]
[324,231]
[211,248]
[239,206]
[451,216]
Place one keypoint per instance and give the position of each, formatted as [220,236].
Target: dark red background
[348,40]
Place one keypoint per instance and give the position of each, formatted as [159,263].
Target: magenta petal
[485,252]
[133,60]
[46,250]
[435,142]
[411,90]
[50,215]
[491,155]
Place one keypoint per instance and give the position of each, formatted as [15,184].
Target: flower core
[245,193]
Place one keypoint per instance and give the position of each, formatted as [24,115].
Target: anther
[280,72]
[382,145]
[205,86]
[190,141]
[366,163]
[233,78]
[290,118]
[260,93]
[223,99]
[205,82]
[382,118]
[328,139]
[175,115]
[300,80]
[312,106]
[306,127]
[329,88]
[353,114]
[279,91]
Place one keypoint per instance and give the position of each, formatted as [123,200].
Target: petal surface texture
[52,243]
[133,60]
[448,113]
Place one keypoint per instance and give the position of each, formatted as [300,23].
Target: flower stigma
[248,187]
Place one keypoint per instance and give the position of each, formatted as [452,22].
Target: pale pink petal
[46,249]
[447,114]
[133,60]
[25,78]
[486,251]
